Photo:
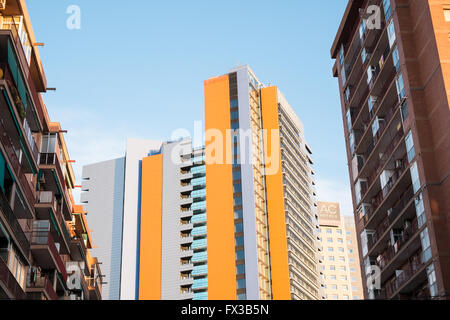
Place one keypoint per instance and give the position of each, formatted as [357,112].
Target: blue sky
[135,70]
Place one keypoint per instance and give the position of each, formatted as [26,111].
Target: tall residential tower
[392,61]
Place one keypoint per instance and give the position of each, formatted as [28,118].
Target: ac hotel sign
[329,214]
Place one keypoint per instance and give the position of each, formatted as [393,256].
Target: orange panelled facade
[150,229]
[275,201]
[219,188]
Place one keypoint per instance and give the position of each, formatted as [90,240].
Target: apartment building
[266,199]
[44,239]
[198,226]
[393,81]
[340,265]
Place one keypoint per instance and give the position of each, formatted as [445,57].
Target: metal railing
[22,240]
[40,281]
[45,238]
[10,282]
[16,166]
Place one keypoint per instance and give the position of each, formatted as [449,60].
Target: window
[238,228]
[339,231]
[342,259]
[341,55]
[331,258]
[391,33]
[352,260]
[333,277]
[352,269]
[239,241]
[241,284]
[334,287]
[415,177]
[354,288]
[330,240]
[349,233]
[349,119]
[355,298]
[400,87]
[396,59]
[349,241]
[340,240]
[341,249]
[404,111]
[240,269]
[342,268]
[330,249]
[353,279]
[387,9]
[346,297]
[344,287]
[344,278]
[329,231]
[410,146]
[447,14]
[335,297]
[332,268]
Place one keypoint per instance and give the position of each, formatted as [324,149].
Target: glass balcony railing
[198,181]
[200,283]
[199,244]
[198,170]
[200,270]
[199,231]
[199,257]
[201,296]
[198,206]
[198,194]
[200,218]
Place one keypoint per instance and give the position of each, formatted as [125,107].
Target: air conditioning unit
[2,4]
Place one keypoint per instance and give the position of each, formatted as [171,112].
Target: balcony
[17,232]
[200,257]
[186,280]
[402,209]
[199,219]
[46,254]
[41,284]
[47,209]
[23,183]
[412,274]
[95,288]
[9,287]
[32,71]
[78,249]
[394,256]
[50,165]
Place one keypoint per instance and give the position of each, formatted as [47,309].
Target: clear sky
[135,69]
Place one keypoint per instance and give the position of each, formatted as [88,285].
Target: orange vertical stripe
[219,196]
[151,226]
[275,201]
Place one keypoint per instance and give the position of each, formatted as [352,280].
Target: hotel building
[45,241]
[233,220]
[340,265]
[392,62]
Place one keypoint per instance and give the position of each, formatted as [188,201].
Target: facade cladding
[102,191]
[45,242]
[394,81]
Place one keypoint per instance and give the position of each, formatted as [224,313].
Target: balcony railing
[382,195]
[389,255]
[22,240]
[387,222]
[16,166]
[38,102]
[10,282]
[416,263]
[42,282]
[45,238]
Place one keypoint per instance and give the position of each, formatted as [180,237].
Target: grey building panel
[248,192]
[102,198]
[171,252]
